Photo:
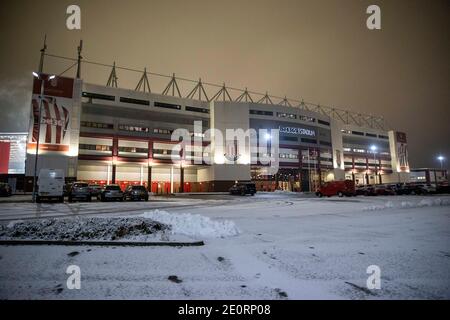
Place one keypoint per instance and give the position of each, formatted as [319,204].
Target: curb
[99,243]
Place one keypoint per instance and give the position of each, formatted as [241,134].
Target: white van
[50,185]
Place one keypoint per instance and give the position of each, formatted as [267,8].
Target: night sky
[319,51]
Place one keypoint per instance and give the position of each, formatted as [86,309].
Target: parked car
[79,190]
[111,192]
[339,188]
[365,191]
[243,188]
[5,189]
[384,190]
[423,189]
[95,189]
[443,188]
[50,185]
[402,189]
[136,193]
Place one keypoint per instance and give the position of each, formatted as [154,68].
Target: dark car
[443,188]
[243,188]
[95,189]
[365,191]
[136,193]
[111,192]
[79,191]
[384,190]
[402,189]
[5,189]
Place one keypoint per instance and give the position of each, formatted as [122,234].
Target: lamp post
[268,145]
[374,149]
[41,97]
[441,160]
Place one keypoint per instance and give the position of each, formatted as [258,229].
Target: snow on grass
[430,202]
[82,228]
[194,225]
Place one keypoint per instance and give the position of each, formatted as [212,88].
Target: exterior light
[52,77]
[441,159]
[373,148]
[267,136]
[35,75]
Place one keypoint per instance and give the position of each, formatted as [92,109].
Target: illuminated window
[97,125]
[125,127]
[286,115]
[162,131]
[95,147]
[306,118]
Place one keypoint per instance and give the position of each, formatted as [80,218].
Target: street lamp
[41,97]
[374,149]
[441,159]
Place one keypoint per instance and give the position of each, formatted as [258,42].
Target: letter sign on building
[299,131]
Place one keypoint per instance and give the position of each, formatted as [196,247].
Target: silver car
[111,192]
[79,190]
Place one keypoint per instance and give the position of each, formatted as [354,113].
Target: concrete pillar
[149,179]
[171,179]
[141,175]
[181,180]
[113,178]
[108,174]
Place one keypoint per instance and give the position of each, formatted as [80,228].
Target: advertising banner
[5,148]
[54,125]
[402,151]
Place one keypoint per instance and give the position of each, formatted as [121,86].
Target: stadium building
[104,134]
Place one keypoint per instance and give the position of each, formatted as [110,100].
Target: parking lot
[289,246]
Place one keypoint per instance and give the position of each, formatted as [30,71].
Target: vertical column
[181,179]
[108,173]
[171,179]
[367,170]
[150,162]
[353,167]
[141,176]
[319,169]
[299,153]
[113,178]
[115,153]
[149,178]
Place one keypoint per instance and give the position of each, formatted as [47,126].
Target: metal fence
[222,93]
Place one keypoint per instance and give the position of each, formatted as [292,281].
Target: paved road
[21,208]
[289,247]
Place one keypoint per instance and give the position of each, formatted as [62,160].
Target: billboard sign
[54,124]
[402,152]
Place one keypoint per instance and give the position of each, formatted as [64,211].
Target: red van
[339,188]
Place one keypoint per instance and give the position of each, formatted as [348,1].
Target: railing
[225,93]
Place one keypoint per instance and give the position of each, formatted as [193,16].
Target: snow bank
[82,228]
[283,192]
[194,225]
[410,204]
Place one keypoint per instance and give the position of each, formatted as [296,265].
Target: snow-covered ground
[271,246]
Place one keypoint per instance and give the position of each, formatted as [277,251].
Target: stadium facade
[104,134]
